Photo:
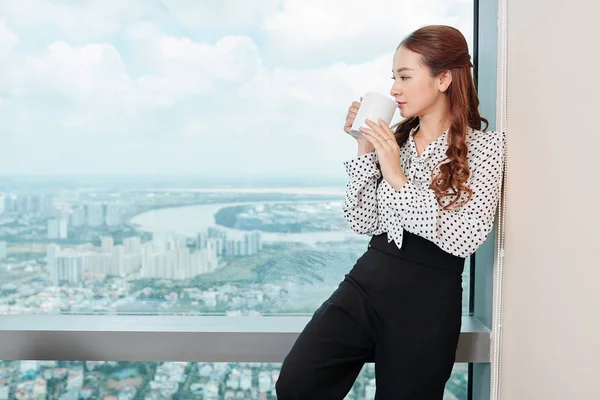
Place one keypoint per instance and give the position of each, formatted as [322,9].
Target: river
[191,220]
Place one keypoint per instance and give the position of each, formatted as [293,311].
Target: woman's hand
[388,152]
[363,144]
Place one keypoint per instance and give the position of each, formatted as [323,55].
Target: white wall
[551,319]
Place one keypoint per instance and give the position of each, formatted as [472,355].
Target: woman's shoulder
[487,142]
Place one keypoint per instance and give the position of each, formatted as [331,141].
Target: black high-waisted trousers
[400,308]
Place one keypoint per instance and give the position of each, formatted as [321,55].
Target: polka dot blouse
[374,208]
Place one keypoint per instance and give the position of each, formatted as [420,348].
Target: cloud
[91,20]
[185,67]
[253,113]
[335,84]
[222,14]
[8,39]
[109,87]
[306,31]
[105,94]
[79,21]
[284,116]
[81,73]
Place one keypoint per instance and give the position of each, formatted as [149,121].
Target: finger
[386,128]
[384,139]
[368,138]
[372,138]
[377,130]
[388,133]
[351,114]
[383,129]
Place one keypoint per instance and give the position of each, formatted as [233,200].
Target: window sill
[177,338]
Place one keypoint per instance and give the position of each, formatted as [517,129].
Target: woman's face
[415,90]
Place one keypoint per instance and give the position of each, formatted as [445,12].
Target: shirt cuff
[363,166]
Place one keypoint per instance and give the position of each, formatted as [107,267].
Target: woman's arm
[360,204]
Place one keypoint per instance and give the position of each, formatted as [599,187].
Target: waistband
[420,250]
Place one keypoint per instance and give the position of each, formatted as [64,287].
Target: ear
[444,81]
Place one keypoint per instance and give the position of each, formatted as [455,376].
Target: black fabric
[401,310]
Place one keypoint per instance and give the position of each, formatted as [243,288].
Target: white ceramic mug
[373,106]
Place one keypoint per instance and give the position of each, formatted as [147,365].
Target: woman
[427,193]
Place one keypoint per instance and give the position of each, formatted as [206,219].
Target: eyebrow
[403,69]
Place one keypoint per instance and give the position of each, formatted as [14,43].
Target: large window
[177,157]
[185,157]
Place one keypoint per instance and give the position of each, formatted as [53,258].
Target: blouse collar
[442,139]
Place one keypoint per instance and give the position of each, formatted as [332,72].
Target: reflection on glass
[168,380]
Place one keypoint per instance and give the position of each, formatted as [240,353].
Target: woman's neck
[432,126]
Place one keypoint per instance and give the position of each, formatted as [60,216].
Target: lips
[400,104]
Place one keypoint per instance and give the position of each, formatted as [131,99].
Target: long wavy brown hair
[444,48]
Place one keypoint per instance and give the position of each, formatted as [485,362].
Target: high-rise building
[216,232]
[118,261]
[57,228]
[23,204]
[107,243]
[230,248]
[220,243]
[68,267]
[78,216]
[211,255]
[95,214]
[176,261]
[249,244]
[10,203]
[258,242]
[35,204]
[218,237]
[52,250]
[132,244]
[201,239]
[113,215]
[47,208]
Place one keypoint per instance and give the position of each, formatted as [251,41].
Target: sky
[194,87]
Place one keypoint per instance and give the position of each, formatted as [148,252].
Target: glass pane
[186,157]
[75,380]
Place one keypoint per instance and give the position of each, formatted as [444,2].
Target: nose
[395,90]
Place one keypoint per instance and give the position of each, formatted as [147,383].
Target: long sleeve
[360,204]
[460,231]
